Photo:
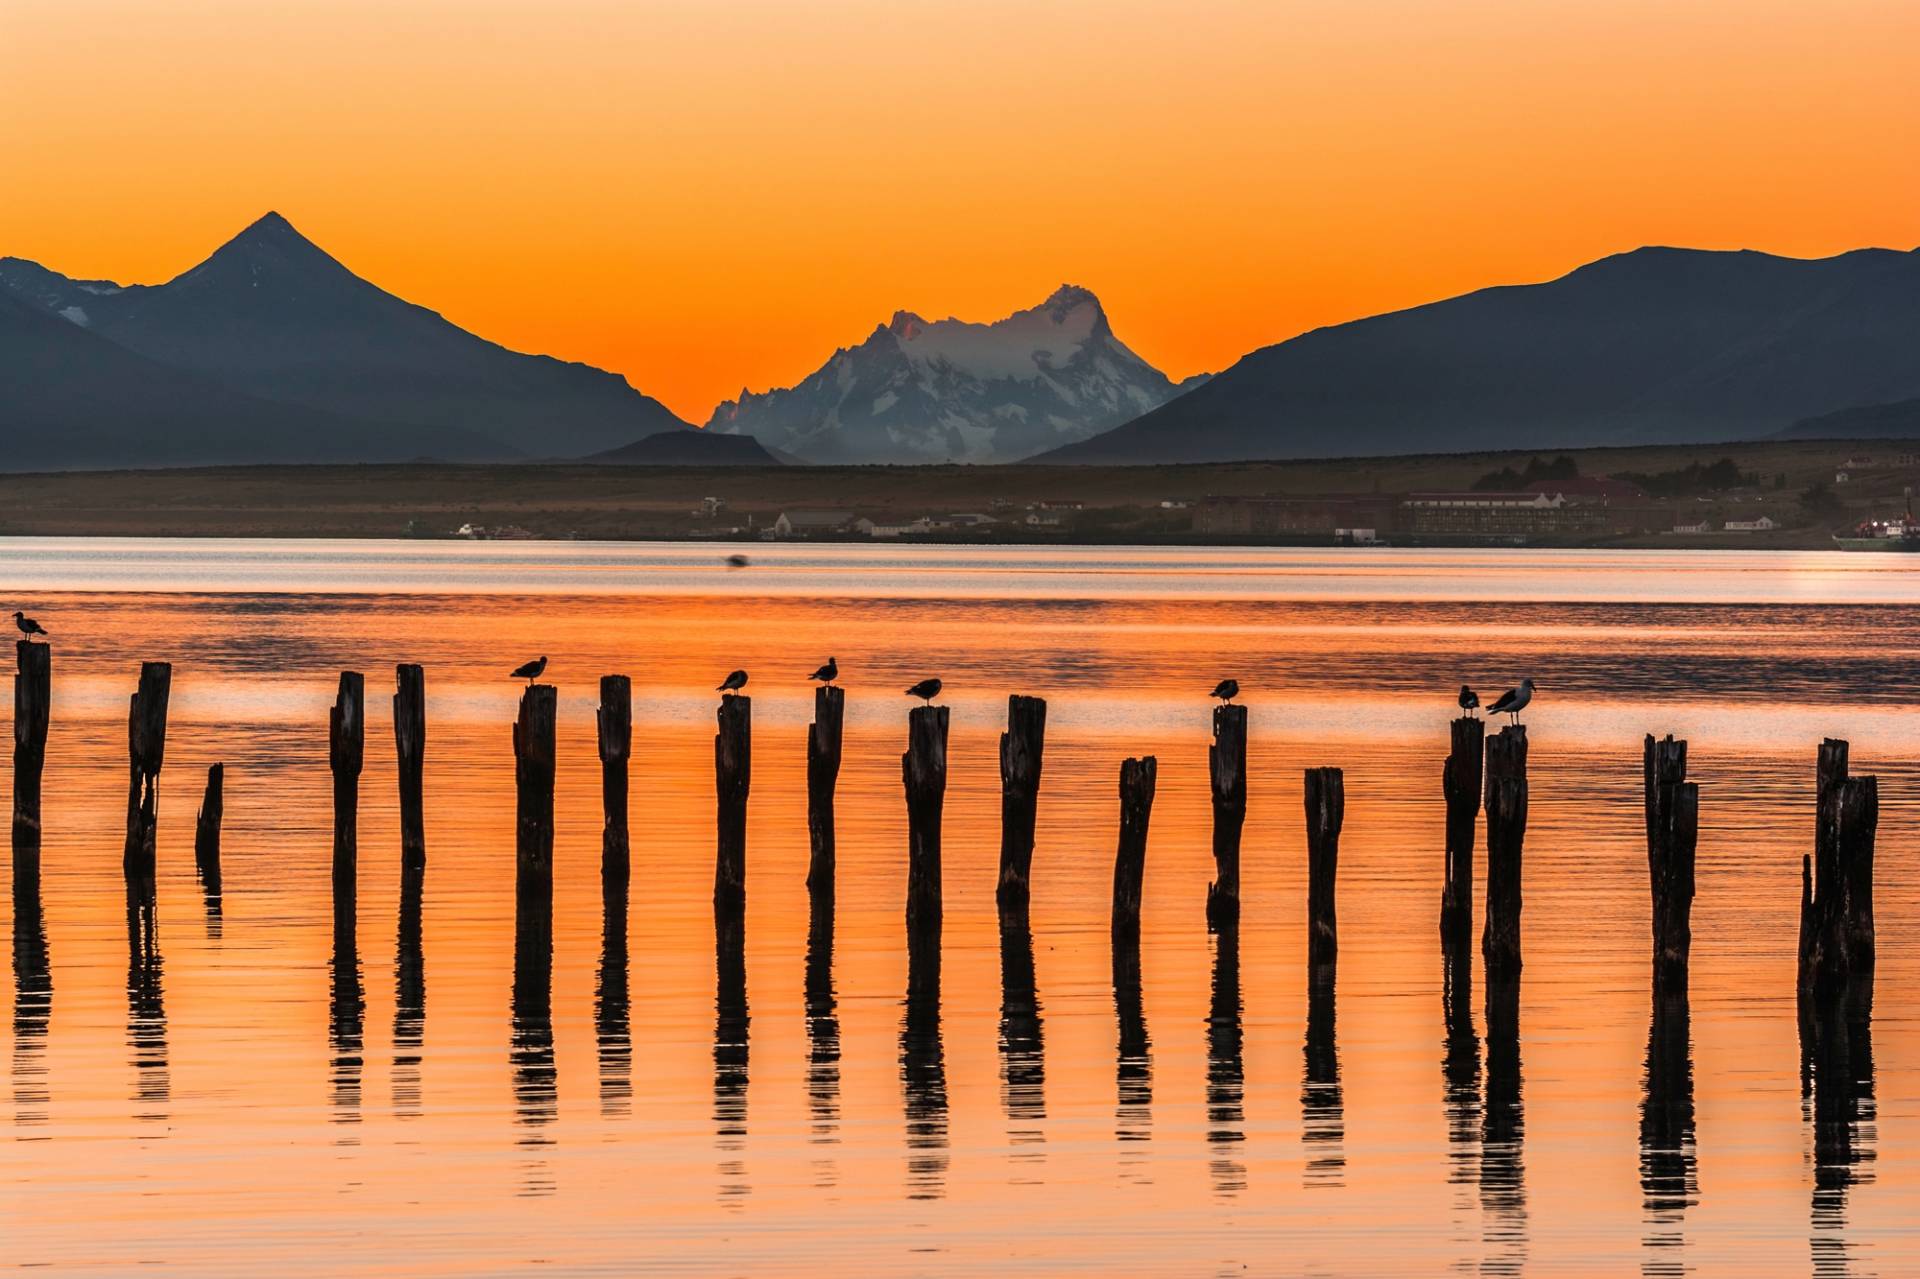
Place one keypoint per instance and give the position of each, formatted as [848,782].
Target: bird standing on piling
[531,671]
[926,690]
[28,627]
[828,673]
[1469,700]
[1513,701]
[1227,689]
[733,683]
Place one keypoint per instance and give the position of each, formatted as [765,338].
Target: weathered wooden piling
[346,753]
[1836,896]
[32,710]
[533,756]
[823,775]
[206,828]
[1460,782]
[732,778]
[1227,766]
[410,748]
[1506,803]
[1022,748]
[1326,803]
[1673,833]
[614,719]
[1130,859]
[923,771]
[146,753]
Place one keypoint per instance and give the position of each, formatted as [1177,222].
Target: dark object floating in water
[28,627]
[926,690]
[738,561]
[532,670]
[734,682]
[828,673]
[1227,689]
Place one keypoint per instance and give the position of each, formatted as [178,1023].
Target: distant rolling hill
[272,317]
[1654,346]
[689,448]
[1897,421]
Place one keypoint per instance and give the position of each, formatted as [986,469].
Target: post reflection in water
[1460,1064]
[1837,1097]
[612,1018]
[730,1053]
[823,1036]
[536,1076]
[1669,1181]
[32,995]
[409,994]
[1503,1173]
[923,1069]
[1023,1068]
[1133,1057]
[146,1007]
[1226,1069]
[346,1017]
[1322,1119]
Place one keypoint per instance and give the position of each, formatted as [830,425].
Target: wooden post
[1836,896]
[1227,764]
[1022,749]
[533,784]
[1460,782]
[615,722]
[206,829]
[410,746]
[732,777]
[146,753]
[1326,801]
[1855,825]
[1673,833]
[32,708]
[1506,800]
[923,770]
[1130,860]
[823,774]
[346,752]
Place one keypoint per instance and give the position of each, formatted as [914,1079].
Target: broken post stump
[1506,804]
[206,828]
[614,720]
[410,748]
[1326,803]
[1836,896]
[533,757]
[732,778]
[923,771]
[32,709]
[823,775]
[1227,766]
[146,753]
[346,753]
[1022,748]
[1130,859]
[1673,833]
[1460,782]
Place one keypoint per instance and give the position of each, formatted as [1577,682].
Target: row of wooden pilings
[1481,773]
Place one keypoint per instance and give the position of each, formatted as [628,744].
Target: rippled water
[250,1089]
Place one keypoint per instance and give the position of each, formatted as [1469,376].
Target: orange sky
[703,195]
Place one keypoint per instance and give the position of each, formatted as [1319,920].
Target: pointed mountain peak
[1068,296]
[906,324]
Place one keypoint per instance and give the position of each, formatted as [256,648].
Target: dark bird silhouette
[28,627]
[1513,701]
[1469,700]
[1227,689]
[828,673]
[738,561]
[532,670]
[926,690]
[733,683]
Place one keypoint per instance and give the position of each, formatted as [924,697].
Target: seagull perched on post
[828,673]
[1469,700]
[926,690]
[1513,701]
[532,670]
[28,627]
[1227,689]
[733,683]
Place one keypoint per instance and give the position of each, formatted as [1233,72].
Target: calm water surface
[260,1093]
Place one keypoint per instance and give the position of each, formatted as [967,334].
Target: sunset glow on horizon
[706,197]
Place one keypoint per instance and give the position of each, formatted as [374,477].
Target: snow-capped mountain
[949,390]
